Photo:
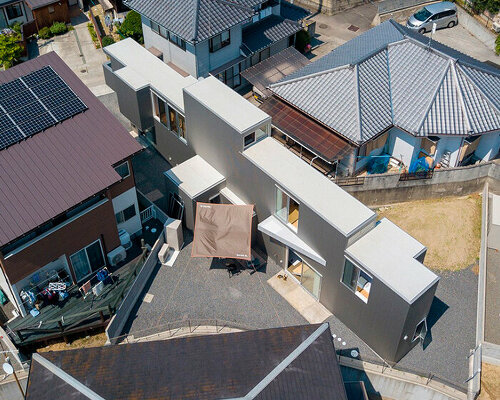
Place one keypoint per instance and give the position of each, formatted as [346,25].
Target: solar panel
[36,77]
[10,136]
[33,103]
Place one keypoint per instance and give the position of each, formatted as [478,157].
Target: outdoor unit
[117,255]
[165,253]
[125,239]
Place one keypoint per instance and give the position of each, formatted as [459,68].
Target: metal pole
[18,384]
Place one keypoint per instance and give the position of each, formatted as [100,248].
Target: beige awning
[223,230]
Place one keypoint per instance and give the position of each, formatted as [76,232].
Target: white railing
[148,214]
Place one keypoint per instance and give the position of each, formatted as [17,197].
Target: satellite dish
[7,368]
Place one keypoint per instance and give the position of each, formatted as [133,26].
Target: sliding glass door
[309,278]
[87,260]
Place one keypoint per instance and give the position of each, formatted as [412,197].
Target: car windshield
[422,15]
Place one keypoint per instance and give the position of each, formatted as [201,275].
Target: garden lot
[78,51]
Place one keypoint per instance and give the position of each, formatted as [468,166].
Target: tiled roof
[195,20]
[270,30]
[390,76]
[55,170]
[202,367]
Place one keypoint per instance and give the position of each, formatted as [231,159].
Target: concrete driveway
[78,51]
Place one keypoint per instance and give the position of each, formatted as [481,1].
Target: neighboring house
[39,13]
[388,91]
[368,273]
[218,37]
[67,184]
[297,362]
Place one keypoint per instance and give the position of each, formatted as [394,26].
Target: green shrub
[16,26]
[93,34]
[11,49]
[497,45]
[58,28]
[302,40]
[479,6]
[132,27]
[107,40]
[45,33]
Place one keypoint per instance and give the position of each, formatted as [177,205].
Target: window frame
[221,43]
[120,215]
[88,259]
[415,337]
[128,169]
[358,274]
[16,7]
[287,223]
[155,27]
[252,139]
[177,40]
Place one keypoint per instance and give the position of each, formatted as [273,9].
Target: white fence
[148,214]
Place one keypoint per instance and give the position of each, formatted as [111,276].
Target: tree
[11,49]
[479,6]
[132,27]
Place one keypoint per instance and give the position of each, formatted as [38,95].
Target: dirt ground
[490,382]
[450,228]
[96,340]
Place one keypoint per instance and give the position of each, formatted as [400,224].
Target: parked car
[443,14]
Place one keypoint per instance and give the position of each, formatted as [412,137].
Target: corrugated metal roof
[54,170]
[195,20]
[203,367]
[270,30]
[397,80]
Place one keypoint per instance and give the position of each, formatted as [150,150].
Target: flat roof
[388,253]
[144,66]
[227,104]
[307,185]
[195,176]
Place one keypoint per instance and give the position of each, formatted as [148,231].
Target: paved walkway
[78,51]
[492,302]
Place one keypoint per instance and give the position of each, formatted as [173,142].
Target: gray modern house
[390,92]
[218,37]
[369,273]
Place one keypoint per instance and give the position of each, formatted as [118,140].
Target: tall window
[421,330]
[87,260]
[155,27]
[219,41]
[231,76]
[182,126]
[14,11]
[357,280]
[123,169]
[160,109]
[287,209]
[172,115]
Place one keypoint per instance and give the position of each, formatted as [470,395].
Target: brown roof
[54,170]
[201,367]
[315,137]
[34,4]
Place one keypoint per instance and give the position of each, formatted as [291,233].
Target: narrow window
[155,27]
[287,209]
[357,280]
[249,139]
[173,120]
[182,127]
[421,330]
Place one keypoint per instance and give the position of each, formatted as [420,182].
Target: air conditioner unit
[125,239]
[117,255]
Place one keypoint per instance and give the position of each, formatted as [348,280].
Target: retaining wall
[387,188]
[117,323]
[328,7]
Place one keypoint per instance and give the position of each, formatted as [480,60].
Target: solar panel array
[33,103]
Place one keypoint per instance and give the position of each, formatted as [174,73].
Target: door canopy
[223,230]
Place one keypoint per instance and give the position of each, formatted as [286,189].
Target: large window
[14,11]
[123,169]
[287,209]
[87,260]
[169,117]
[125,214]
[357,280]
[231,76]
[307,276]
[219,41]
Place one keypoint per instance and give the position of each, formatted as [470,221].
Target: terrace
[77,313]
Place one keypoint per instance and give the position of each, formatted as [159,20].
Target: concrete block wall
[328,7]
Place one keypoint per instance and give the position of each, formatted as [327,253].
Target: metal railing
[350,181]
[148,213]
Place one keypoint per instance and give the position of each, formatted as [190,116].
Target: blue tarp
[419,165]
[378,165]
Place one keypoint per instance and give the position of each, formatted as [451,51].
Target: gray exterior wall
[135,105]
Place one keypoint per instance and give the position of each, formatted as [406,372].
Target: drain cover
[323,26]
[353,28]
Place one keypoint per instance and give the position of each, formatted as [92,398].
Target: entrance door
[309,278]
[87,260]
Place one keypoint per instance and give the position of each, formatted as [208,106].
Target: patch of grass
[490,382]
[95,340]
[450,228]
